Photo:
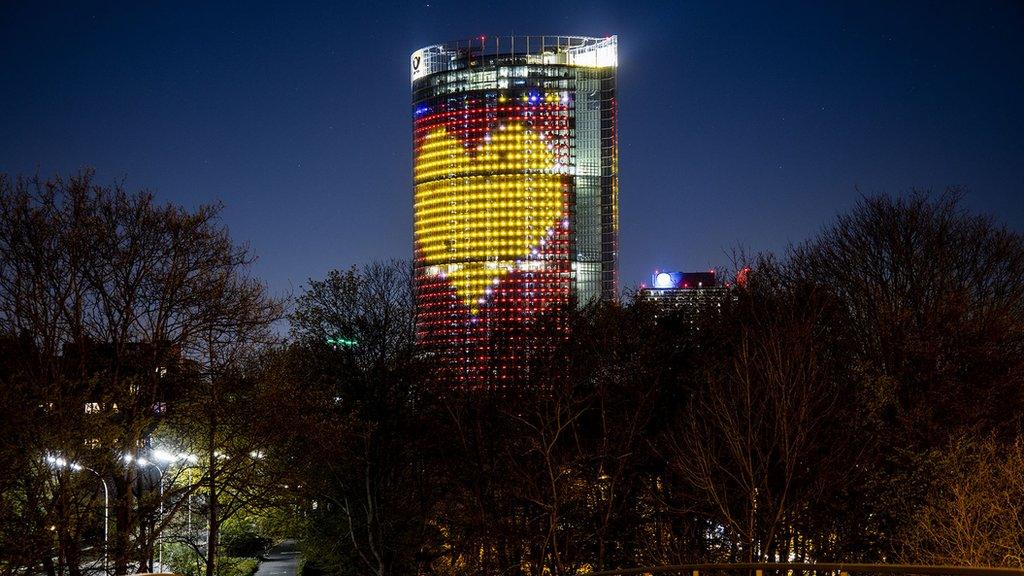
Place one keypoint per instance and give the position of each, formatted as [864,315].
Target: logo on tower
[419,64]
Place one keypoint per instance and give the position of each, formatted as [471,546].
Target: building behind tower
[686,294]
[515,198]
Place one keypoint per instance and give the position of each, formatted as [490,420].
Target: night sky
[741,124]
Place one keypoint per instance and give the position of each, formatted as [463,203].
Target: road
[281,560]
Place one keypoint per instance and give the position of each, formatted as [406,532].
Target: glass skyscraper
[515,195]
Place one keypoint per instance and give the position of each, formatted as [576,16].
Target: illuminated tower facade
[515,198]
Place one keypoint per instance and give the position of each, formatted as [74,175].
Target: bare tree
[368,312]
[119,299]
[363,457]
[754,444]
[237,421]
[975,513]
[935,300]
[937,296]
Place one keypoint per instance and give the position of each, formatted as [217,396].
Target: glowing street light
[160,483]
[59,462]
[164,456]
[170,458]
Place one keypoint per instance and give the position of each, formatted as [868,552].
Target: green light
[342,342]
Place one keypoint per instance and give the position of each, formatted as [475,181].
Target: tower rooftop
[584,51]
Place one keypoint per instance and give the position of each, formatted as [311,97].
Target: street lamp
[167,458]
[160,483]
[60,462]
[170,458]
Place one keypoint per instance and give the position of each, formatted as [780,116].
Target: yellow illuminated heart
[477,214]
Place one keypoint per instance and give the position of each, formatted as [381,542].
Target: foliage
[113,308]
[975,513]
[241,536]
[810,419]
[360,457]
[182,559]
[237,566]
[859,398]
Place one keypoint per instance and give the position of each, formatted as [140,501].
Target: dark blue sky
[741,124]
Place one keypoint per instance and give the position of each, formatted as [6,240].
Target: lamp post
[160,482]
[60,462]
[170,458]
[188,523]
[106,514]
